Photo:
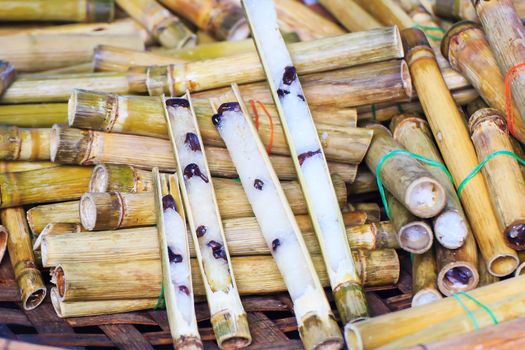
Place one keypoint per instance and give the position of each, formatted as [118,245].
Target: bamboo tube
[352,16]
[40,216]
[24,144]
[485,278]
[108,58]
[19,166]
[448,318]
[364,182]
[457,253]
[98,307]
[521,268]
[451,135]
[34,116]
[58,10]
[175,263]
[424,276]
[413,235]
[27,275]
[223,20]
[309,159]
[7,75]
[456,9]
[294,16]
[316,323]
[4,235]
[502,174]
[38,52]
[228,318]
[142,115]
[111,211]
[404,177]
[56,228]
[169,30]
[468,51]
[119,178]
[372,210]
[388,12]
[43,185]
[505,34]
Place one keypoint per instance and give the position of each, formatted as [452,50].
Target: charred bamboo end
[351,302]
[3,241]
[317,333]
[487,115]
[452,35]
[515,235]
[457,277]
[100,10]
[91,110]
[425,197]
[7,75]
[231,331]
[415,237]
[69,145]
[450,229]
[425,296]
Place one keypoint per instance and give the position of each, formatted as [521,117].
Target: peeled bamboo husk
[7,75]
[57,10]
[294,16]
[169,30]
[27,275]
[364,182]
[505,33]
[502,174]
[456,9]
[424,276]
[352,16]
[439,320]
[38,52]
[451,135]
[413,234]
[24,144]
[456,252]
[34,116]
[404,177]
[18,166]
[223,20]
[98,307]
[44,185]
[120,178]
[114,210]
[3,241]
[468,51]
[388,12]
[40,216]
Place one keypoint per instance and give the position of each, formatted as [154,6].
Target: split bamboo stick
[451,135]
[120,178]
[223,20]
[505,33]
[169,30]
[309,158]
[352,16]
[228,318]
[413,234]
[364,182]
[7,75]
[39,52]
[57,10]
[41,115]
[456,9]
[505,300]
[403,176]
[27,275]
[44,185]
[388,12]
[18,166]
[468,51]
[4,235]
[424,276]
[293,16]
[40,216]
[24,144]
[502,174]
[280,230]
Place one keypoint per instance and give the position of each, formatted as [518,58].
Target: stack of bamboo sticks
[385,83]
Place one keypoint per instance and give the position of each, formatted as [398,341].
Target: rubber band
[373,108]
[383,159]
[160,299]
[482,164]
[256,115]
[431,28]
[470,313]
[511,74]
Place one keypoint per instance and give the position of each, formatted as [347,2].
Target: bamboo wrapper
[57,10]
[451,135]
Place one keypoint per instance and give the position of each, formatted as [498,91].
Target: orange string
[511,74]
[256,114]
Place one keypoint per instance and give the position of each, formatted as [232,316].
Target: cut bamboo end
[459,276]
[175,34]
[415,237]
[120,178]
[69,145]
[7,75]
[425,296]
[99,211]
[34,292]
[317,333]
[450,229]
[52,229]
[100,11]
[231,331]
[451,34]
[350,301]
[3,241]
[91,109]
[425,197]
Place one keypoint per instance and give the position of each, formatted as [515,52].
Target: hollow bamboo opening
[406,78]
[58,275]
[34,299]
[501,264]
[54,139]
[88,212]
[415,237]
[99,180]
[457,277]
[425,296]
[450,229]
[425,197]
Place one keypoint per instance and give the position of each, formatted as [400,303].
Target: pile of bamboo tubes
[406,98]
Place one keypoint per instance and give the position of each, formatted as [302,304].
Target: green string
[480,165]
[428,161]
[160,299]
[237,179]
[430,28]
[399,107]
[470,313]
[374,116]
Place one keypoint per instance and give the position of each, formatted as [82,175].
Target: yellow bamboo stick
[57,10]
